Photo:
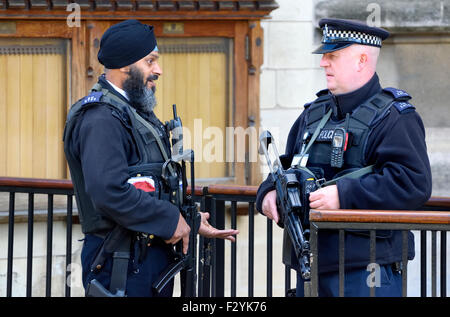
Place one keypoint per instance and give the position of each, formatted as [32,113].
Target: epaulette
[93,97]
[403,107]
[306,105]
[398,94]
[400,99]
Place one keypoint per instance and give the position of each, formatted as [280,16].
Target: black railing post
[48,285]
[233,250]
[443,263]
[206,252]
[313,238]
[287,279]
[218,208]
[269,257]
[341,263]
[30,244]
[214,252]
[200,266]
[68,243]
[423,263]
[404,267]
[251,247]
[201,256]
[373,257]
[433,264]
[10,244]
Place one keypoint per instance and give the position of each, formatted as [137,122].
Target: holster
[117,243]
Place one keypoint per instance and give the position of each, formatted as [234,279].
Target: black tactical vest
[152,143]
[359,124]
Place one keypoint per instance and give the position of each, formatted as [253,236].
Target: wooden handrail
[218,189]
[380,216]
[56,184]
[436,201]
[198,190]
[36,183]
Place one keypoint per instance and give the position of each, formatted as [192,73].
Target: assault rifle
[174,175]
[290,191]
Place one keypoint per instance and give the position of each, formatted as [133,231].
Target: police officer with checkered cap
[382,162]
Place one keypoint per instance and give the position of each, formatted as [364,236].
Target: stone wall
[290,74]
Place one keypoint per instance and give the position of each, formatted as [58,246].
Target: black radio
[338,146]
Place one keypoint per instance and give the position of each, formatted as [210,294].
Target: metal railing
[373,220]
[215,198]
[223,201]
[32,187]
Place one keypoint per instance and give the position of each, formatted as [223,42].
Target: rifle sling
[355,174]
[158,139]
[317,131]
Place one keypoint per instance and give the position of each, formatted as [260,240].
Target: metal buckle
[320,182]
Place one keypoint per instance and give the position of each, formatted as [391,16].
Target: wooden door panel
[195,78]
[32,107]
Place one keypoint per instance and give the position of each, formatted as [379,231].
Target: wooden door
[196,78]
[32,107]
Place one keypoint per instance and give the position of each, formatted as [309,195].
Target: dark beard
[141,98]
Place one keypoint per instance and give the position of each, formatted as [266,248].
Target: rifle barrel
[174,108]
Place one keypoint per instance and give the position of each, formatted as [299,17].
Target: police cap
[125,43]
[339,33]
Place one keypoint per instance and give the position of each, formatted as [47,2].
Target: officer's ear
[362,63]
[125,69]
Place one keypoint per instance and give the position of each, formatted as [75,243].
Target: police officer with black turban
[115,147]
[361,128]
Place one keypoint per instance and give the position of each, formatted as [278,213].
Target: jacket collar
[346,103]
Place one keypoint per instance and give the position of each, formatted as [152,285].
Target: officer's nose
[324,62]
[157,70]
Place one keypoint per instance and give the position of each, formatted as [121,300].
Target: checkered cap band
[336,36]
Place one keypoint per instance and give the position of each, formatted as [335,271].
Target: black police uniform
[401,177]
[103,144]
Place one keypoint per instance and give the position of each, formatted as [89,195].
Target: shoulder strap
[322,123]
[153,131]
[353,175]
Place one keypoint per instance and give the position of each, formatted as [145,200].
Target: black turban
[125,43]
